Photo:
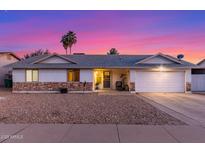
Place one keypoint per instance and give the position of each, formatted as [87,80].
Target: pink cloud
[100,32]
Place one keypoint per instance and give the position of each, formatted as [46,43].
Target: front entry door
[106,79]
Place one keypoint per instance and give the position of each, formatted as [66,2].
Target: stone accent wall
[132,86]
[51,86]
[188,86]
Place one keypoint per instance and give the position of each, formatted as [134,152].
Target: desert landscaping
[80,109]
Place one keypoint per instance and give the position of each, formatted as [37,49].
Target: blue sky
[131,32]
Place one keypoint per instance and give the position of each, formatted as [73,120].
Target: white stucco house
[198,77]
[6,58]
[137,73]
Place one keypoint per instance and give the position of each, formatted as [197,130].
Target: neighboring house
[6,58]
[198,77]
[142,73]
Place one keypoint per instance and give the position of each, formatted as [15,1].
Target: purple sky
[131,32]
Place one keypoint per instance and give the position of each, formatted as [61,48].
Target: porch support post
[132,80]
[188,81]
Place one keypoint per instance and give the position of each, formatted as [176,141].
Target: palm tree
[68,40]
[113,51]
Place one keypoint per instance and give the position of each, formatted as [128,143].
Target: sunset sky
[131,32]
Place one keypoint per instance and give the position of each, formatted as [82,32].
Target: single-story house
[137,73]
[6,58]
[198,77]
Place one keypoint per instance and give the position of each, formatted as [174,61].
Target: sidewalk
[88,133]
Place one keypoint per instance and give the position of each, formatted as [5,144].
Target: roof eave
[51,55]
[199,63]
[110,67]
[158,54]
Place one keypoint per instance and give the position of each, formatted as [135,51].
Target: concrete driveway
[189,108]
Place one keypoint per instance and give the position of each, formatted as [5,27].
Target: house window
[73,75]
[31,75]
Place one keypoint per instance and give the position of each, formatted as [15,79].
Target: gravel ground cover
[80,109]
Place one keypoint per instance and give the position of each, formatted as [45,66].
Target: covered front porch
[111,80]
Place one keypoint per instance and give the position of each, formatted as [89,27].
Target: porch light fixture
[161,68]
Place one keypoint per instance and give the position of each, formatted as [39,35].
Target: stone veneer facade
[51,86]
[132,86]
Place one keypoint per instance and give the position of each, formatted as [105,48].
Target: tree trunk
[66,51]
[70,50]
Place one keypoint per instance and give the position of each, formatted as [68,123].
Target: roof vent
[180,56]
[79,53]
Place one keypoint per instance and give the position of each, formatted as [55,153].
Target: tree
[113,51]
[68,40]
[37,53]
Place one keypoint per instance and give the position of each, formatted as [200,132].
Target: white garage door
[198,82]
[159,81]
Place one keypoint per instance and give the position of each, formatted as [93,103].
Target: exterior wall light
[161,69]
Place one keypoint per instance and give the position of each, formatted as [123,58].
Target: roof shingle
[94,61]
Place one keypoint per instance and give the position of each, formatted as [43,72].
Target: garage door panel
[159,81]
[198,82]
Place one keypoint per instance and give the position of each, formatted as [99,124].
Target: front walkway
[114,92]
[38,133]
